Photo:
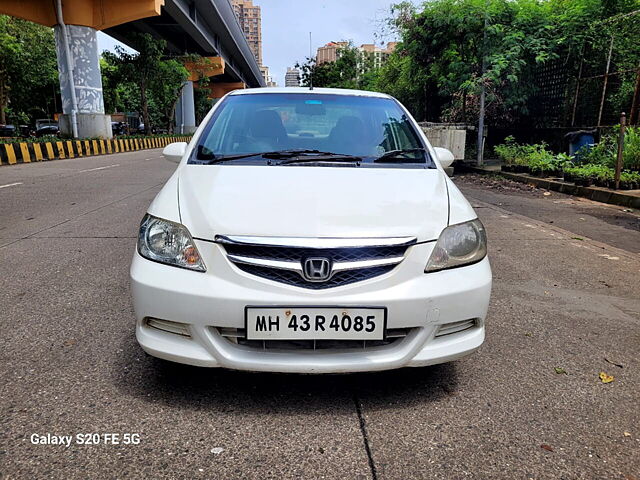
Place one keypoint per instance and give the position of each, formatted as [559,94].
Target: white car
[310,231]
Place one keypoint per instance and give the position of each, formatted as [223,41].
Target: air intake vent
[455,327]
[237,336]
[168,326]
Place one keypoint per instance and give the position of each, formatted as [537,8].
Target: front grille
[293,278]
[297,254]
[290,270]
[237,336]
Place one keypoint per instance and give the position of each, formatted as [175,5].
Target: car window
[344,124]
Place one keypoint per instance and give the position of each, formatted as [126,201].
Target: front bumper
[217,299]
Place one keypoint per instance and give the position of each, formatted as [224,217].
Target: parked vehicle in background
[310,231]
[13,131]
[7,130]
[119,128]
[45,126]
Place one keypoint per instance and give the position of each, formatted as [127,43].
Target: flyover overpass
[205,27]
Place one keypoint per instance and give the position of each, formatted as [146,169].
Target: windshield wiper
[322,157]
[293,155]
[398,155]
[211,158]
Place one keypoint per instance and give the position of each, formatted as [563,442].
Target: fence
[591,85]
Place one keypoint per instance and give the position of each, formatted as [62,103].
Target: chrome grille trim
[288,264]
[381,262]
[297,266]
[319,242]
[264,262]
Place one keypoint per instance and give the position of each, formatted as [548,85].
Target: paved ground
[616,226]
[70,364]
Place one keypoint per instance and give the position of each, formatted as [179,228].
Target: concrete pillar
[85,61]
[186,110]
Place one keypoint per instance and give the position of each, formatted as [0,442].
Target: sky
[286,25]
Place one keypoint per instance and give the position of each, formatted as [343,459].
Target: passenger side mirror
[445,157]
[175,151]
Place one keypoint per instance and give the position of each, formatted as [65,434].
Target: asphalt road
[70,364]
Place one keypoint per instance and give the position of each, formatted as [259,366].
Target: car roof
[308,91]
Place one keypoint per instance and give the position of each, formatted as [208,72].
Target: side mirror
[175,151]
[445,157]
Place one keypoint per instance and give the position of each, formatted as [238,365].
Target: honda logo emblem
[316,269]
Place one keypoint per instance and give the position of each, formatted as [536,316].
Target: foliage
[602,153]
[120,94]
[28,71]
[513,153]
[605,152]
[405,80]
[166,88]
[352,69]
[158,82]
[595,165]
[631,153]
[202,103]
[450,49]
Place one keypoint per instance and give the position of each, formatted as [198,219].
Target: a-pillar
[186,110]
[87,83]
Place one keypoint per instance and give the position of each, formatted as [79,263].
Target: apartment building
[377,54]
[292,78]
[329,52]
[264,70]
[250,20]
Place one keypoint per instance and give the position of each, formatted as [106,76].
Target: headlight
[459,245]
[168,242]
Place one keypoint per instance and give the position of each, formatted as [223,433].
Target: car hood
[306,201]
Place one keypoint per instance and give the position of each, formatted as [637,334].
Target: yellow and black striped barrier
[28,152]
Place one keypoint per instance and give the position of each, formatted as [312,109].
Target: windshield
[366,127]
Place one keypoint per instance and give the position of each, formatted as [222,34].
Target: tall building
[250,20]
[292,78]
[378,55]
[329,53]
[264,70]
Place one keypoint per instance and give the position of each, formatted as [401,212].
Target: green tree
[120,94]
[352,69]
[28,70]
[166,89]
[141,67]
[438,67]
[448,41]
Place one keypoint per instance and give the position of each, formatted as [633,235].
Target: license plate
[315,323]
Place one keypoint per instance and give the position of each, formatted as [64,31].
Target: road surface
[565,299]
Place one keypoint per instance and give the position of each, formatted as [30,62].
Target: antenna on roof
[310,69]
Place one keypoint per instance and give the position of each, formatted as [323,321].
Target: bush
[594,165]
[536,157]
[631,154]
[605,152]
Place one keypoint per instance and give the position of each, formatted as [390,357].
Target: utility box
[453,137]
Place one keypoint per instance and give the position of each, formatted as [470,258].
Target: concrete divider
[28,152]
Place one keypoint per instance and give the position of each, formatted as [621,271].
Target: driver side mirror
[445,157]
[175,151]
